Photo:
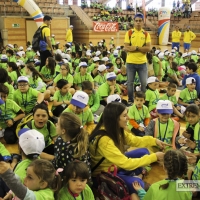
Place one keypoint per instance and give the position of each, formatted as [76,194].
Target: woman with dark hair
[107,144]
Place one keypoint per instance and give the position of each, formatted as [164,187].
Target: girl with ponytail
[72,142]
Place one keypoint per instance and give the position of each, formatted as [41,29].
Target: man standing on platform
[137,43]
[188,37]
[46,35]
[69,35]
[176,36]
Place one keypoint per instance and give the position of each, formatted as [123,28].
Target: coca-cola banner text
[105,27]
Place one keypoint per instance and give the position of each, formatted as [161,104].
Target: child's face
[191,118]
[32,181]
[77,110]
[83,70]
[63,70]
[191,87]
[64,89]
[139,102]
[77,185]
[163,117]
[171,92]
[47,61]
[40,118]
[23,86]
[154,85]
[3,96]
[27,70]
[189,71]
[9,69]
[111,82]
[118,61]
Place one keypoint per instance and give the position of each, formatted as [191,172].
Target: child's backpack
[112,187]
[37,37]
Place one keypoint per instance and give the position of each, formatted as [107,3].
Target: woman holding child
[108,140]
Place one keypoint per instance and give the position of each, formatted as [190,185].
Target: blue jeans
[176,44]
[141,69]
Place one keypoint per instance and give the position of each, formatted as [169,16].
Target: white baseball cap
[194,52]
[105,59]
[173,51]
[166,53]
[68,57]
[101,68]
[184,55]
[63,55]
[112,38]
[22,79]
[53,35]
[11,46]
[175,48]
[65,60]
[88,53]
[57,42]
[31,141]
[69,49]
[71,26]
[118,47]
[190,80]
[58,51]
[152,79]
[157,52]
[164,107]
[115,53]
[4,57]
[19,54]
[38,53]
[83,64]
[111,76]
[80,99]
[21,48]
[98,53]
[20,62]
[28,49]
[113,98]
[100,44]
[95,59]
[161,55]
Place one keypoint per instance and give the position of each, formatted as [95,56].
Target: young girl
[72,142]
[175,165]
[75,183]
[35,80]
[13,72]
[118,63]
[41,180]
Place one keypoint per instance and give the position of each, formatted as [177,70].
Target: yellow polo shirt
[188,36]
[69,36]
[176,36]
[46,33]
[137,39]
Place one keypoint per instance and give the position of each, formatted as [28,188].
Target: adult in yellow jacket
[176,36]
[108,140]
[188,37]
[69,34]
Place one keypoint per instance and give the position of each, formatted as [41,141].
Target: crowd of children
[82,82]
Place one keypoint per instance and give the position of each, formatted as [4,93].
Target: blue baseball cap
[139,15]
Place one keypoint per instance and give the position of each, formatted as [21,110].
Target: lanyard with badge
[160,132]
[141,117]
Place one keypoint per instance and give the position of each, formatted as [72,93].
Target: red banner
[105,27]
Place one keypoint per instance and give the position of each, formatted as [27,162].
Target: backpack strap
[49,128]
[29,124]
[41,32]
[100,161]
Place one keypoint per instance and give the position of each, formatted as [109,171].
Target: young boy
[164,128]
[170,95]
[108,88]
[94,102]
[122,80]
[191,69]
[62,97]
[139,116]
[10,116]
[188,95]
[25,96]
[79,106]
[101,77]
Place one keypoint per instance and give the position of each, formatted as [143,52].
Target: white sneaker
[2,133]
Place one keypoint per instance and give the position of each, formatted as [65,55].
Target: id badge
[63,105]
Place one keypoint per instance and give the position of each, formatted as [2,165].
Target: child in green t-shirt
[10,116]
[101,77]
[61,98]
[170,95]
[152,95]
[189,94]
[25,96]
[138,114]
[4,60]
[175,165]
[122,80]
[76,178]
[13,72]
[94,101]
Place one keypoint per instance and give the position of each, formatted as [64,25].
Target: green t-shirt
[188,97]
[104,90]
[94,101]
[3,65]
[99,80]
[26,100]
[156,193]
[4,151]
[196,174]
[139,115]
[13,76]
[8,111]
[37,84]
[47,135]
[47,73]
[171,98]
[69,78]
[152,96]
[156,65]
[53,42]
[78,79]
[86,116]
[121,79]
[171,72]
[195,58]
[65,195]
[11,90]
[60,98]
[179,61]
[12,59]
[30,54]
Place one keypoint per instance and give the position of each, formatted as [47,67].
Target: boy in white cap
[108,88]
[189,94]
[25,96]
[101,77]
[79,106]
[164,128]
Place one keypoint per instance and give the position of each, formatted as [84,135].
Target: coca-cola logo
[105,27]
